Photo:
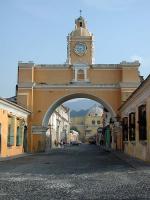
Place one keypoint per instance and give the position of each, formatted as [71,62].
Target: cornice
[115,66]
[126,65]
[67,86]
[74,84]
[129,84]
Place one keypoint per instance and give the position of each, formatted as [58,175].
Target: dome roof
[80,18]
[80,32]
[80,28]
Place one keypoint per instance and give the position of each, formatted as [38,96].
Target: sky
[36,30]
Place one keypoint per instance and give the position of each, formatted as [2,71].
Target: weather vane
[80,12]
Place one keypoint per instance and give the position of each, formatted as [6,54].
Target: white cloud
[145,64]
[76,100]
[136,57]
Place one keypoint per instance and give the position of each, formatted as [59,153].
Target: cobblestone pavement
[75,172]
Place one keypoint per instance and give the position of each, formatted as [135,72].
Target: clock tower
[80,44]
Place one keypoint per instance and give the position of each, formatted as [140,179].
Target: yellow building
[13,128]
[135,114]
[42,88]
[87,125]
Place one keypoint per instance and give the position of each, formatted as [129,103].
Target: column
[85,74]
[75,78]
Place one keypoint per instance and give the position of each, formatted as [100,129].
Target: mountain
[80,113]
[80,104]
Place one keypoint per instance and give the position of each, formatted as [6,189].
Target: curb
[15,157]
[132,161]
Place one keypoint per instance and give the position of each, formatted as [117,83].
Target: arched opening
[73,96]
[48,125]
[55,134]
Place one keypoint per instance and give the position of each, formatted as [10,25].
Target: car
[74,143]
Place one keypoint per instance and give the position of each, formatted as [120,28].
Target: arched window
[80,74]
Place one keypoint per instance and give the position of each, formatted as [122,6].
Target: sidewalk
[133,162]
[15,157]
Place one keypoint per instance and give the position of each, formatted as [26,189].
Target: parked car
[74,143]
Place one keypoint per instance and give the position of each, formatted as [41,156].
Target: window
[125,128]
[80,24]
[132,126]
[142,122]
[10,136]
[98,122]
[93,122]
[19,136]
[80,74]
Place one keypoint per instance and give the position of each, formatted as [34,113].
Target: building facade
[42,88]
[13,128]
[87,125]
[59,128]
[135,115]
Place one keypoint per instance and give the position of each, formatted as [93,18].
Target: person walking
[107,138]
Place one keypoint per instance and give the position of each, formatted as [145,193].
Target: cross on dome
[80,13]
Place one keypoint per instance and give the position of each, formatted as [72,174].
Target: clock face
[80,49]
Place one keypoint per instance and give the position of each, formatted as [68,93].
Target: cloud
[145,64]
[136,57]
[76,100]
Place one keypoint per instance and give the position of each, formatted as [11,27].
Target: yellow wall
[86,58]
[130,75]
[25,75]
[52,83]
[5,150]
[139,148]
[103,76]
[65,76]
[39,143]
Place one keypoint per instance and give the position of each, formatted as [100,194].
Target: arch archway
[73,96]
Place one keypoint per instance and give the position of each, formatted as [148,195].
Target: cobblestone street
[75,172]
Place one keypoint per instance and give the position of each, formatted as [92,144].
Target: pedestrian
[61,144]
[107,138]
